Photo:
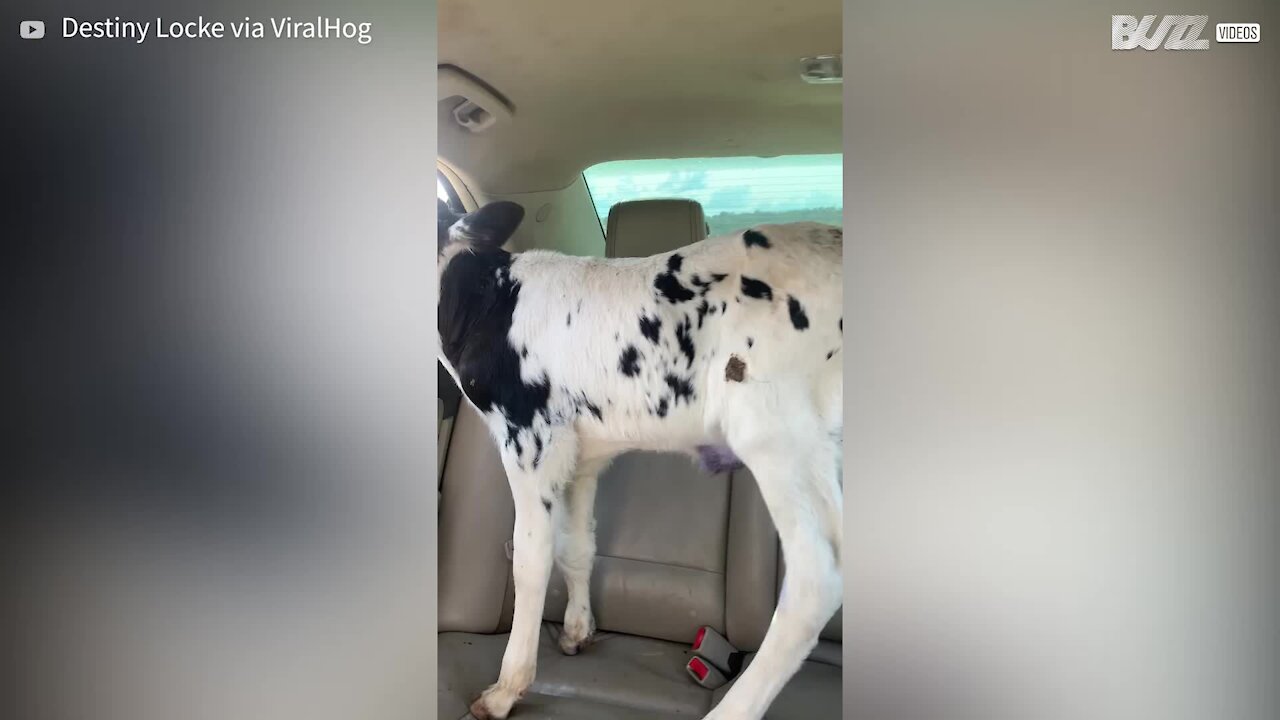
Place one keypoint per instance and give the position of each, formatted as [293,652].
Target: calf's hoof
[574,637]
[495,703]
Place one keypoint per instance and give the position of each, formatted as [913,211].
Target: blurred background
[1062,462]
[218,347]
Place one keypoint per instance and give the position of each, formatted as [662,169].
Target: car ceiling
[589,82]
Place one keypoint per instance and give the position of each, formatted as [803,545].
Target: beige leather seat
[676,549]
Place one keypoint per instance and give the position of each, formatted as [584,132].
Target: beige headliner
[592,81]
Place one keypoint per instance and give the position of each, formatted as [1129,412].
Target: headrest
[640,228]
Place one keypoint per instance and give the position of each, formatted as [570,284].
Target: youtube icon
[31,29]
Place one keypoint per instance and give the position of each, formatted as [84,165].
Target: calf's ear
[492,225]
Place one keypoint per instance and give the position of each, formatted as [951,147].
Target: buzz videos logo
[1175,32]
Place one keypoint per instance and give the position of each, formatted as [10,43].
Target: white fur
[783,420]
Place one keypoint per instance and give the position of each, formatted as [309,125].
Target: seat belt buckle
[704,673]
[715,649]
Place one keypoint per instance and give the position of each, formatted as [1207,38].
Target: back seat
[676,549]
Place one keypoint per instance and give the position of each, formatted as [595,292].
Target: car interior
[624,130]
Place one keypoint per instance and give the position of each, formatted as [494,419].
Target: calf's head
[475,286]
[488,228]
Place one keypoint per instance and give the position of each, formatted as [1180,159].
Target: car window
[446,192]
[735,192]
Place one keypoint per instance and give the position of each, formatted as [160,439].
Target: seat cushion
[617,676]
[813,692]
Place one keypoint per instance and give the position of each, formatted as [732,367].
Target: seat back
[639,228]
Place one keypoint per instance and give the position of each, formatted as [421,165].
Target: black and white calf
[728,348]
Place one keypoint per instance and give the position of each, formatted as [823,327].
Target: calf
[728,349]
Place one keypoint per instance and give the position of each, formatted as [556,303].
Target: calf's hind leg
[576,552]
[797,468]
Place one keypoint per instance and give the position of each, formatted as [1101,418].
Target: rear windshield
[735,192]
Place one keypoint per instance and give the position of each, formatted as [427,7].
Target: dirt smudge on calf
[735,370]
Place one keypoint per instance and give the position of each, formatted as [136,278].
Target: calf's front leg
[535,490]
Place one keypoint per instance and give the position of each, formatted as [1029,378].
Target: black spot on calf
[681,388]
[703,286]
[757,289]
[662,408]
[755,238]
[669,287]
[629,363]
[685,340]
[798,319]
[650,327]
[675,262]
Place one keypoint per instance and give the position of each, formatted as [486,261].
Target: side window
[447,391]
[445,192]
